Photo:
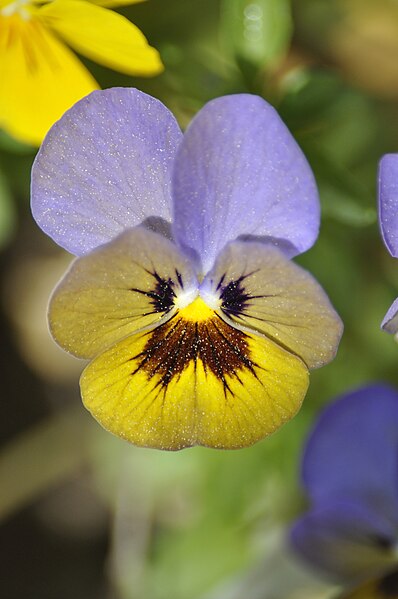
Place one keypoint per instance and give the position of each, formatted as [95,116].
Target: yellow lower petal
[40,78]
[102,35]
[195,380]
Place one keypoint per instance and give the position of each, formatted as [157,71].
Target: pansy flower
[350,473]
[388,218]
[200,328]
[40,77]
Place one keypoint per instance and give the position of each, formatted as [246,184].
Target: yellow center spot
[197,311]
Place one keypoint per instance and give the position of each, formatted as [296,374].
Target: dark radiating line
[162,296]
[220,282]
[179,278]
[171,363]
[247,362]
[220,372]
[156,347]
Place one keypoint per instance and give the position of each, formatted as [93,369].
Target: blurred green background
[83,514]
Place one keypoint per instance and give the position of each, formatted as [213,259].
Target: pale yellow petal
[194,380]
[116,290]
[40,78]
[102,35]
[263,290]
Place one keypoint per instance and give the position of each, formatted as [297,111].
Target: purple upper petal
[103,167]
[239,172]
[352,453]
[388,201]
[390,321]
[344,539]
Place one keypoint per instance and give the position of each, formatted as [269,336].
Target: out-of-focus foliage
[256,32]
[201,524]
[7,211]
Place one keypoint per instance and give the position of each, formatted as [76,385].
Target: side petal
[116,290]
[194,383]
[388,202]
[390,321]
[102,35]
[344,540]
[352,451]
[259,288]
[33,60]
[240,172]
[104,167]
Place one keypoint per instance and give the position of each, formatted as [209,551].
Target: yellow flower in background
[40,77]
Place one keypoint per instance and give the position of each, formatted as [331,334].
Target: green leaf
[345,207]
[256,31]
[345,198]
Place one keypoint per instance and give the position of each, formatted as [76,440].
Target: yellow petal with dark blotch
[194,380]
[261,289]
[384,587]
[116,290]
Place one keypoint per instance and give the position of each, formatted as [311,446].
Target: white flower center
[207,295]
[184,299]
[210,298]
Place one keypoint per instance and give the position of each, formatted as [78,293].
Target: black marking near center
[163,295]
[233,296]
[237,298]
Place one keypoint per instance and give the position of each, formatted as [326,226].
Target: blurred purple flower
[201,328]
[388,218]
[350,472]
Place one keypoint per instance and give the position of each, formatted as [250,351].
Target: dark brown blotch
[223,350]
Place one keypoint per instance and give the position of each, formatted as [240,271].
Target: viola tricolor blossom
[40,77]
[200,328]
[388,218]
[350,473]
